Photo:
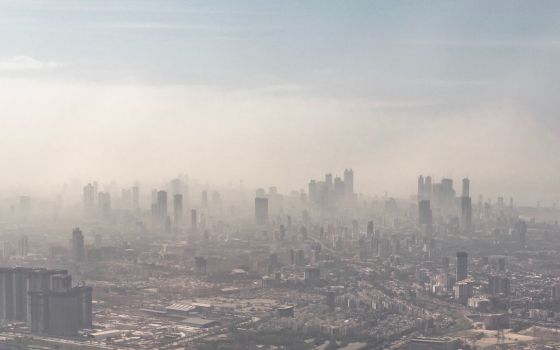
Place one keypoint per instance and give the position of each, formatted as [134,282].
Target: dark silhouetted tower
[462,266]
[78,250]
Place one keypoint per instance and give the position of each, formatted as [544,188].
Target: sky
[278,92]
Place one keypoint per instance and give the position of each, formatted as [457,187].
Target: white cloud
[21,63]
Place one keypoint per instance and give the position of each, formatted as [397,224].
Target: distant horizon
[276,93]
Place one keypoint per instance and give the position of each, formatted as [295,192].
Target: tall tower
[349,182]
[194,223]
[466,214]
[78,250]
[425,215]
[162,206]
[420,188]
[462,266]
[261,210]
[466,187]
[88,198]
[178,210]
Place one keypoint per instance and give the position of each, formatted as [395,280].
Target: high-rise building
[462,266]
[466,187]
[77,248]
[178,210]
[520,231]
[194,220]
[162,207]
[425,216]
[88,198]
[349,183]
[261,210]
[421,188]
[466,214]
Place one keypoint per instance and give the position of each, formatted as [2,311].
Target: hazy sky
[276,92]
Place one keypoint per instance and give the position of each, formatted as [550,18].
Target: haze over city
[279,175]
[273,92]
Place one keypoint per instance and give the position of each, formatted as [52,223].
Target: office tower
[428,188]
[466,214]
[312,189]
[261,210]
[520,231]
[178,210]
[421,188]
[328,180]
[466,187]
[104,204]
[135,198]
[462,266]
[77,248]
[424,213]
[349,182]
[194,218]
[88,198]
[154,197]
[162,206]
[339,189]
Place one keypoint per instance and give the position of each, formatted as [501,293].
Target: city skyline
[388,89]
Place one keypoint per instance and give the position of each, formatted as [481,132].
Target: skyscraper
[425,216]
[78,250]
[261,210]
[421,188]
[466,214]
[178,210]
[88,198]
[162,207]
[462,266]
[194,219]
[466,189]
[349,182]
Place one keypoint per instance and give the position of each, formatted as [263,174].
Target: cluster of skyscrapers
[442,198]
[332,193]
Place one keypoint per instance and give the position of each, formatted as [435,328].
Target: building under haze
[77,246]
[462,266]
[261,210]
[46,300]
